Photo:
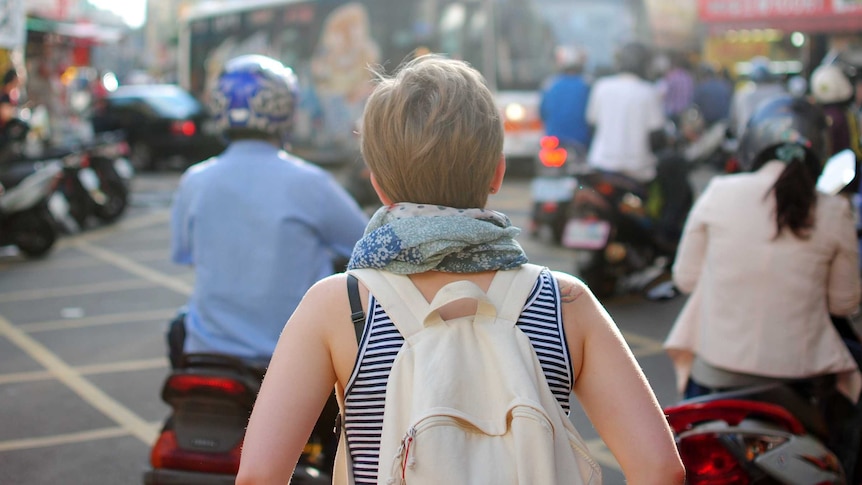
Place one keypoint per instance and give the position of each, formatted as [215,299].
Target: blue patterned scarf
[408,238]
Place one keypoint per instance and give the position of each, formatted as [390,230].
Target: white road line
[140,222]
[600,452]
[87,370]
[97,320]
[643,346]
[74,290]
[127,264]
[63,439]
[70,438]
[97,398]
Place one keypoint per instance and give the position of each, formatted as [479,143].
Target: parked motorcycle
[108,156]
[768,434]
[31,211]
[211,398]
[97,178]
[625,233]
[556,167]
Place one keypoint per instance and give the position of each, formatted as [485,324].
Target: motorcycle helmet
[634,58]
[786,128]
[569,58]
[830,84]
[760,71]
[255,94]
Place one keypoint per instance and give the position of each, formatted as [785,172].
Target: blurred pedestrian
[832,88]
[563,107]
[762,85]
[677,86]
[712,94]
[627,116]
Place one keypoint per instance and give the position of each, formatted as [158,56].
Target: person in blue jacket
[259,225]
[563,106]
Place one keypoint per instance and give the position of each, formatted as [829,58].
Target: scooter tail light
[552,154]
[187,383]
[167,454]
[708,462]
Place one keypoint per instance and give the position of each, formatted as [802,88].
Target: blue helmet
[255,93]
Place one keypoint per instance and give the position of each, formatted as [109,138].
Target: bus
[331,43]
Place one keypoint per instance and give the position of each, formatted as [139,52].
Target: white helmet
[829,85]
[570,57]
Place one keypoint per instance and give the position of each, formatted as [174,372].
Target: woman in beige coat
[767,259]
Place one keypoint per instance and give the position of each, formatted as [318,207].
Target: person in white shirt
[626,112]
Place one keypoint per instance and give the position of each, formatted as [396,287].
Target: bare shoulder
[324,302]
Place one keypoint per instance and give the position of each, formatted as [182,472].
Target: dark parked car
[164,125]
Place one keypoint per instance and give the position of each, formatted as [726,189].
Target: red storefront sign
[804,15]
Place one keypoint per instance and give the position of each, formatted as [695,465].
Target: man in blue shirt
[259,225]
[563,106]
[713,95]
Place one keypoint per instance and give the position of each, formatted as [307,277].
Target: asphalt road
[82,353]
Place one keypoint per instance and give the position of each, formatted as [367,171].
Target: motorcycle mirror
[839,171]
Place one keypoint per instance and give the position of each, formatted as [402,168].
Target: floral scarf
[407,238]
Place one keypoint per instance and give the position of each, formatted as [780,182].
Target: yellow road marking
[97,398]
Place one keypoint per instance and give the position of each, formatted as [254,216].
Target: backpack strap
[356,313]
[404,303]
[510,289]
[410,311]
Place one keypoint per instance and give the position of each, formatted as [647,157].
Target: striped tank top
[365,395]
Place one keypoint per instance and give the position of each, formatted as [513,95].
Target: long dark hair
[795,193]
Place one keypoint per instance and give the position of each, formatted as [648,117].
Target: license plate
[88,179]
[58,205]
[552,189]
[586,234]
[124,168]
[210,128]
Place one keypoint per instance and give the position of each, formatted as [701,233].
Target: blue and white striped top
[540,320]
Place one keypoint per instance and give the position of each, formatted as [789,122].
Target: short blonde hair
[432,134]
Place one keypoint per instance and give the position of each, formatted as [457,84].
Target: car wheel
[141,156]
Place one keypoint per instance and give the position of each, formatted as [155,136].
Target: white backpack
[467,401]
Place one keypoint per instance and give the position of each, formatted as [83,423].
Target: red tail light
[731,165]
[184,383]
[85,160]
[185,128]
[708,462]
[168,454]
[732,412]
[551,154]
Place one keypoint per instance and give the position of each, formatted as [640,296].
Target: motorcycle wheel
[595,273]
[34,235]
[117,197]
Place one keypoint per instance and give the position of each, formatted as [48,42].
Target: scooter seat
[779,394]
[11,174]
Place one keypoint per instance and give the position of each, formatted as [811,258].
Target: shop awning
[86,31]
[810,16]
